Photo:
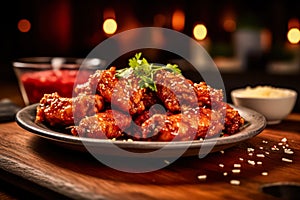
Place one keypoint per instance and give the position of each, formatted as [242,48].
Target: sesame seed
[225,173]
[259,162]
[241,159]
[221,165]
[283,140]
[236,171]
[202,177]
[287,160]
[260,155]
[265,142]
[167,162]
[222,152]
[250,149]
[274,148]
[251,162]
[235,182]
[264,173]
[237,165]
[288,151]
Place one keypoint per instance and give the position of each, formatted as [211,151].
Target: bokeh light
[109,13]
[293,23]
[178,20]
[200,32]
[24,25]
[229,25]
[293,35]
[110,26]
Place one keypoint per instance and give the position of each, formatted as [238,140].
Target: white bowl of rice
[272,102]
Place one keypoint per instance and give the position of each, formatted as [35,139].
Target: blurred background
[252,42]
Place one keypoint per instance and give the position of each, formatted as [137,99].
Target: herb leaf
[145,71]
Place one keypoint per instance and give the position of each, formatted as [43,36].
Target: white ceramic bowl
[274,107]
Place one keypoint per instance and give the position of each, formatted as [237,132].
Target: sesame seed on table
[36,167]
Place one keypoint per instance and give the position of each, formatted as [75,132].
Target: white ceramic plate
[255,124]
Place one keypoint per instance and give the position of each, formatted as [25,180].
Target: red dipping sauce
[36,84]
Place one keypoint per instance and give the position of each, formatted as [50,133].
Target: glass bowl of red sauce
[44,75]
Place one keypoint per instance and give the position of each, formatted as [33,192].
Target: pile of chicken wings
[108,107]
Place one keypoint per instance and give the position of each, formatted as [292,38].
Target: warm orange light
[24,25]
[265,39]
[229,25]
[178,20]
[110,26]
[109,13]
[293,23]
[200,32]
[293,35]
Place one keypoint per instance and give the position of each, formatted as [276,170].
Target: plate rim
[22,119]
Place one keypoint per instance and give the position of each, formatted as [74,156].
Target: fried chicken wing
[106,83]
[135,130]
[174,90]
[233,121]
[86,105]
[60,111]
[177,127]
[108,124]
[207,96]
[91,86]
[125,93]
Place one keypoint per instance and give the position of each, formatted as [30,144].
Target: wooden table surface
[34,166]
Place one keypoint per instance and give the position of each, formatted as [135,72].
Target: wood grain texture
[79,175]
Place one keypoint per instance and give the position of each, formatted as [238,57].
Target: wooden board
[49,170]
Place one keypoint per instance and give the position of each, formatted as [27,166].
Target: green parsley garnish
[145,71]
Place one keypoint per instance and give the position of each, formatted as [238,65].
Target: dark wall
[73,28]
